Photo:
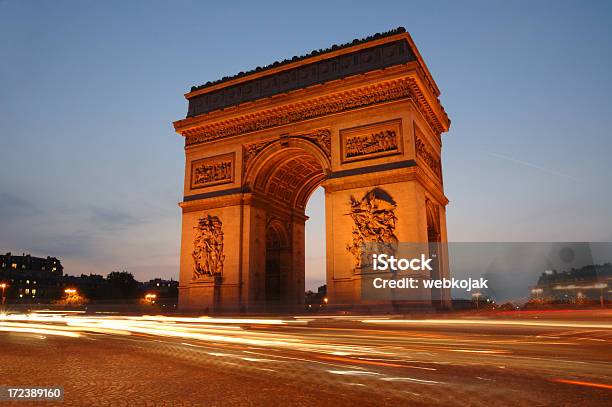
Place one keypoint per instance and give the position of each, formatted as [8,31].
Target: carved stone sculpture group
[207,253]
[374,225]
[430,159]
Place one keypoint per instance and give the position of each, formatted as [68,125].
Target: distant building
[26,262]
[163,288]
[315,301]
[41,280]
[588,284]
[30,278]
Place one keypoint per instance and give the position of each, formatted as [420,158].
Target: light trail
[354,352]
[409,379]
[479,351]
[486,322]
[586,384]
[37,330]
[204,329]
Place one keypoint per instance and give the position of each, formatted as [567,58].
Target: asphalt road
[131,361]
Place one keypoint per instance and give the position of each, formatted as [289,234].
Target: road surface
[335,361]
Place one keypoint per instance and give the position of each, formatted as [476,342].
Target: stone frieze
[211,171]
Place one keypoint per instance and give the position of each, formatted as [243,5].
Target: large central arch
[361,120]
[283,175]
[288,170]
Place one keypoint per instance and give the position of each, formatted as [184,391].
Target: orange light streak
[587,384]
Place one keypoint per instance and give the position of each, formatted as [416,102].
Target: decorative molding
[320,137]
[207,252]
[374,223]
[424,153]
[211,171]
[317,107]
[371,141]
[393,165]
[252,150]
[372,58]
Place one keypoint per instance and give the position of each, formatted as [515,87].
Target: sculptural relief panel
[425,152]
[211,171]
[208,255]
[374,224]
[371,141]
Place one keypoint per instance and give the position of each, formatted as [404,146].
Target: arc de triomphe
[363,120]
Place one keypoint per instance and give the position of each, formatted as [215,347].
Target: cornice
[415,173]
[198,130]
[213,203]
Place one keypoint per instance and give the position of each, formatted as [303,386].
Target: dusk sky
[92,170]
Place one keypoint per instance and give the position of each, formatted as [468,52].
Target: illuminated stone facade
[362,120]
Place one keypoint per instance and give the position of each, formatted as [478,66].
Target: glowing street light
[150,298]
[70,291]
[3,286]
[477,296]
[537,291]
[601,286]
[325,300]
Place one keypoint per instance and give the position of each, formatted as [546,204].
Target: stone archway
[362,120]
[283,173]
[289,168]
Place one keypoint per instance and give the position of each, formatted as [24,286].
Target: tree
[122,284]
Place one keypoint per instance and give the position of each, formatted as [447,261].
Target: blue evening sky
[92,171]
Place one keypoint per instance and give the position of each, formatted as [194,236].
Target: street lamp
[70,291]
[537,291]
[601,286]
[3,286]
[477,296]
[151,298]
